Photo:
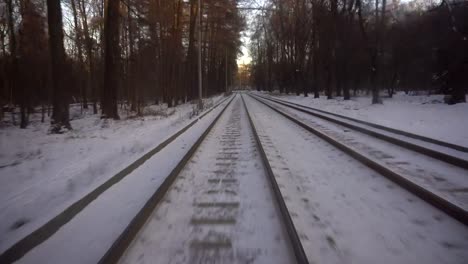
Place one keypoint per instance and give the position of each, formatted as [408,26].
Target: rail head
[431,198]
[296,244]
[389,129]
[402,143]
[124,240]
[44,232]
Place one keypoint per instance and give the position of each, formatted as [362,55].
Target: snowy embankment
[425,115]
[42,174]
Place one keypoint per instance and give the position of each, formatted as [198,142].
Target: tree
[78,44]
[60,115]
[333,46]
[111,60]
[13,73]
[146,54]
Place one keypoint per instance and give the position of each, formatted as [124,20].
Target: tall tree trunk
[111,57]
[191,63]
[14,80]
[80,53]
[60,100]
[315,50]
[89,54]
[134,93]
[372,51]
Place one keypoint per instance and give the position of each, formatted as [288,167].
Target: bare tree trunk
[372,51]
[131,64]
[89,54]
[80,54]
[60,114]
[14,80]
[112,58]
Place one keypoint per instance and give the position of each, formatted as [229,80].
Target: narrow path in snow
[345,212]
[220,209]
[446,180]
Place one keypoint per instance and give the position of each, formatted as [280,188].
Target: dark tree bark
[80,53]
[372,50]
[14,80]
[112,59]
[134,93]
[191,60]
[60,100]
[89,54]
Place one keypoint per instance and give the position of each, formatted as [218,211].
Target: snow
[175,232]
[343,211]
[346,213]
[42,174]
[426,115]
[86,238]
[437,176]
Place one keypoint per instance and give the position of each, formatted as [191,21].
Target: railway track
[223,205]
[342,207]
[301,107]
[440,150]
[430,178]
[51,227]
[256,188]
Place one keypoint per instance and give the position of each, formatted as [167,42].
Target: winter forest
[233,131]
[55,53]
[102,54]
[341,47]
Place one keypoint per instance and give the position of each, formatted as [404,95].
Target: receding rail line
[462,163]
[389,129]
[435,200]
[296,244]
[119,246]
[23,246]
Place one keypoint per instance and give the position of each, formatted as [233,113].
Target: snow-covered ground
[87,237]
[41,174]
[345,212]
[220,209]
[425,115]
[435,175]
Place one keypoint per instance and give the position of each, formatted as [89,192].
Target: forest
[343,47]
[109,54]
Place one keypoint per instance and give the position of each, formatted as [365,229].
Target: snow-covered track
[346,212]
[291,229]
[434,198]
[126,237]
[29,242]
[434,148]
[220,209]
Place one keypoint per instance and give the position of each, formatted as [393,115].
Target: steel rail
[296,244]
[115,252]
[389,129]
[462,163]
[30,241]
[430,197]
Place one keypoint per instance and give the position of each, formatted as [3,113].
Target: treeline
[98,53]
[341,47]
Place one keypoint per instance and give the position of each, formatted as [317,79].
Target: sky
[245,58]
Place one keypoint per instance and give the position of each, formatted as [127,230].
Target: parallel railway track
[447,152]
[47,230]
[217,208]
[435,197]
[226,202]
